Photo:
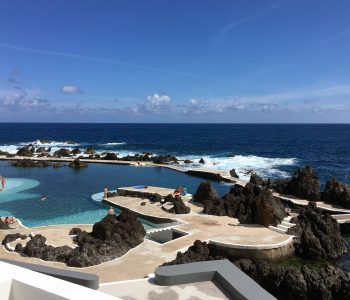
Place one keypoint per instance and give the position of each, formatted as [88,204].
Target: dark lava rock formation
[26,151]
[283,282]
[62,152]
[77,163]
[112,237]
[28,163]
[179,205]
[290,283]
[251,204]
[233,173]
[304,184]
[198,252]
[336,193]
[317,234]
[205,192]
[256,179]
[110,156]
[90,151]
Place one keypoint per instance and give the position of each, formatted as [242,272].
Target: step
[277,229]
[283,227]
[287,224]
[287,218]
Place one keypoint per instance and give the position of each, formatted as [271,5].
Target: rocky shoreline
[111,237]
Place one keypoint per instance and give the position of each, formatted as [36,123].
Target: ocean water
[273,150]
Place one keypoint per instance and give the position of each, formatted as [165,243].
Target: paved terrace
[146,257]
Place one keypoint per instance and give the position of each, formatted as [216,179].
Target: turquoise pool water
[69,191]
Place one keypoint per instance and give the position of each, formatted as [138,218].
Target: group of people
[2,182]
[180,191]
[8,220]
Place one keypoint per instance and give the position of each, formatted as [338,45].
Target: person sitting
[10,220]
[287,210]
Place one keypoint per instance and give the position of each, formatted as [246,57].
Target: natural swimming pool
[69,191]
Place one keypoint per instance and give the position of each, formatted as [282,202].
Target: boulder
[62,152]
[256,179]
[164,159]
[29,163]
[41,150]
[90,150]
[179,205]
[233,173]
[199,251]
[204,192]
[305,184]
[156,198]
[111,156]
[336,193]
[201,161]
[76,151]
[77,163]
[26,151]
[251,204]
[4,153]
[317,234]
[187,161]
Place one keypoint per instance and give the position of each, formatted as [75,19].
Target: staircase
[284,226]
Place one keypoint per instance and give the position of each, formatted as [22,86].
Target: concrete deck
[146,289]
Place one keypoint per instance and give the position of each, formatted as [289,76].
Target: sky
[202,61]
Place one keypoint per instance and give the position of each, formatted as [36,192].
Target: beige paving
[146,289]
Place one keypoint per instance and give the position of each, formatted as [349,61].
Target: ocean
[273,150]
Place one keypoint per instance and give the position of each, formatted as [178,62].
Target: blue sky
[175,61]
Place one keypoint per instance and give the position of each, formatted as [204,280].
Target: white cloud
[70,89]
[156,103]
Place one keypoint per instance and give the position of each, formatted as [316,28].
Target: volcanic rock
[110,156]
[287,282]
[90,151]
[164,159]
[112,237]
[4,153]
[305,184]
[201,161]
[156,198]
[233,173]
[62,152]
[187,161]
[41,150]
[205,192]
[76,151]
[199,251]
[28,163]
[77,163]
[336,193]
[251,204]
[26,151]
[179,205]
[256,179]
[317,234]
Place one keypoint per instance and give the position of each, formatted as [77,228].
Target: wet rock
[41,150]
[90,151]
[233,173]
[179,205]
[4,153]
[205,192]
[76,151]
[256,179]
[63,152]
[164,159]
[111,156]
[29,163]
[336,193]
[187,161]
[201,161]
[77,163]
[26,151]
[317,234]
